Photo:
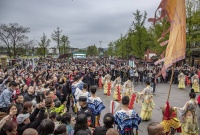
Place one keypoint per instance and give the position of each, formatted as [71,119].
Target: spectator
[53,116]
[4,120]
[112,131]
[81,124]
[4,85]
[155,128]
[30,95]
[12,111]
[50,105]
[66,119]
[24,89]
[108,121]
[46,127]
[19,102]
[82,132]
[86,110]
[25,121]
[58,92]
[9,128]
[27,107]
[61,130]
[5,97]
[30,131]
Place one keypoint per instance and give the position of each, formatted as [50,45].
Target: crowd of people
[39,99]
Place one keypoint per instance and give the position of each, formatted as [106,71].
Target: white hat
[21,118]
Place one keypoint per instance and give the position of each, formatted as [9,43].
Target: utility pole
[100,48]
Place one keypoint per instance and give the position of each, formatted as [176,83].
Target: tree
[110,50]
[43,45]
[139,37]
[56,37]
[192,25]
[65,44]
[13,36]
[156,31]
[92,50]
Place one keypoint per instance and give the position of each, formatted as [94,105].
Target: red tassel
[112,107]
[118,93]
[100,83]
[167,112]
[131,103]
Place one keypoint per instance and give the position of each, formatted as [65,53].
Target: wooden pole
[170,83]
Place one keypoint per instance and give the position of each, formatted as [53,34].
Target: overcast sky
[86,22]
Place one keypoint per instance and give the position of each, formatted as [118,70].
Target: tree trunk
[44,52]
[9,53]
[14,49]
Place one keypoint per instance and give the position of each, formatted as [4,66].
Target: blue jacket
[5,98]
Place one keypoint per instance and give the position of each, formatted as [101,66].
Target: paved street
[177,98]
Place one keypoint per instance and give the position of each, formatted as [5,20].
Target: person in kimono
[127,119]
[117,96]
[146,97]
[188,116]
[170,119]
[107,84]
[128,88]
[195,83]
[96,105]
[181,79]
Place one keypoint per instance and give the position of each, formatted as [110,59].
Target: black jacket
[28,97]
[34,124]
[101,130]
[90,117]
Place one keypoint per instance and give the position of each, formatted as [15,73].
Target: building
[72,50]
[79,55]
[148,54]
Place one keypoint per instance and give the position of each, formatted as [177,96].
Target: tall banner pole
[170,83]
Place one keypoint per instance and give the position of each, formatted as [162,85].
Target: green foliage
[156,32]
[43,45]
[92,50]
[56,36]
[136,41]
[65,47]
[110,50]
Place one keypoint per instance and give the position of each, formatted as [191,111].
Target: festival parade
[144,81]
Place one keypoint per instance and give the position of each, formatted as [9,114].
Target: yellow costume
[181,79]
[106,82]
[147,102]
[189,118]
[170,120]
[117,89]
[195,83]
[128,88]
